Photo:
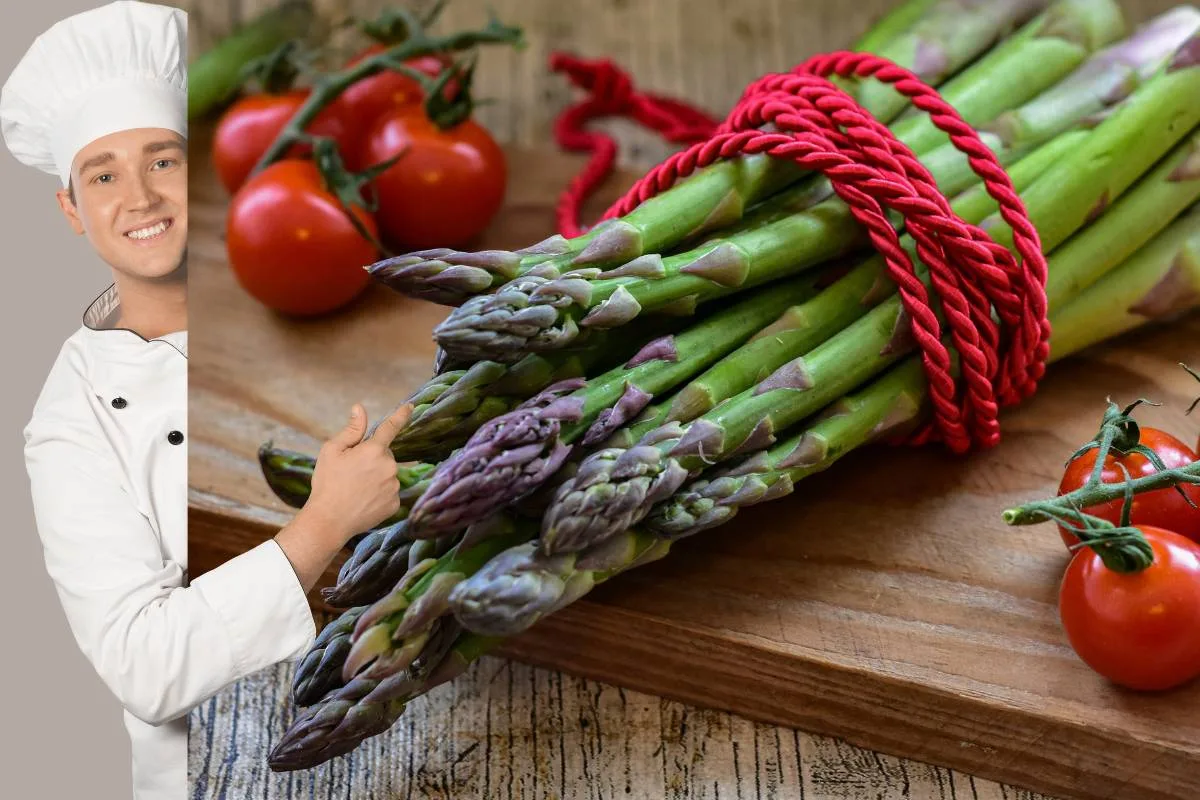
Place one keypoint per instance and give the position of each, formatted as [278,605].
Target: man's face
[131,200]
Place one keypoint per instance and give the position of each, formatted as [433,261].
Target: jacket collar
[100,319]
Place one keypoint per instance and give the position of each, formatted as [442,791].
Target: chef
[100,100]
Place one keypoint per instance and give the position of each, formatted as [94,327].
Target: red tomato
[364,101]
[1140,630]
[291,245]
[251,124]
[1164,508]
[446,187]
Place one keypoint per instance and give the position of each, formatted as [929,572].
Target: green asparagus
[505,460]
[715,198]
[289,474]
[1158,281]
[215,76]
[610,491]
[803,327]
[536,315]
[520,586]
[453,404]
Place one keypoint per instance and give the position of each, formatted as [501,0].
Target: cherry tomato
[1140,630]
[1164,508]
[291,245]
[364,101]
[250,125]
[447,185]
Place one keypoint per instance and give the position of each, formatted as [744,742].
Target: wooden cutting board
[884,602]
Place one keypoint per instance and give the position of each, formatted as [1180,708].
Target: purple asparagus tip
[448,277]
[506,459]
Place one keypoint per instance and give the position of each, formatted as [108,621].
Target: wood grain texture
[704,51]
[884,603]
[508,730]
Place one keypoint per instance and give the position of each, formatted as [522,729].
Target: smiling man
[127,192]
[100,101]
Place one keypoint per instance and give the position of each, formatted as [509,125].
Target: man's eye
[105,178]
[163,163]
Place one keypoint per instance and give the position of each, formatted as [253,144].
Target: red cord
[611,94]
[823,129]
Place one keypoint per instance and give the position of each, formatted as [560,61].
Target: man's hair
[71,189]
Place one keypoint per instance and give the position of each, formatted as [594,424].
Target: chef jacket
[107,460]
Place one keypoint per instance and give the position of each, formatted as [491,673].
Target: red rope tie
[821,128]
[611,94]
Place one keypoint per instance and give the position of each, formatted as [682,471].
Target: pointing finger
[388,428]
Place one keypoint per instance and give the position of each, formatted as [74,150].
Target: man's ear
[66,202]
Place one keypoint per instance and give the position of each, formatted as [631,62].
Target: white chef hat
[114,68]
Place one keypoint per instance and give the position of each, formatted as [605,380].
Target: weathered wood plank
[703,51]
[506,729]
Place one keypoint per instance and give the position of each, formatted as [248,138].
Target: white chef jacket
[107,460]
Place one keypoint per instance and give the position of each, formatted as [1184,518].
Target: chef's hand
[354,488]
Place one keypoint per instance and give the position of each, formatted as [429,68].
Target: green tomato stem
[333,84]
[1095,494]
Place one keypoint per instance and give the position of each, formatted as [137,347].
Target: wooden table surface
[506,729]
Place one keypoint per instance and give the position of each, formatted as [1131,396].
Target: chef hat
[114,68]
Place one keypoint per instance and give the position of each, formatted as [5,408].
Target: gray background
[64,735]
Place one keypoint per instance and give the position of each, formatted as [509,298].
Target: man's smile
[150,232]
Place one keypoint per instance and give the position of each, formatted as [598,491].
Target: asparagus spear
[392,631]
[896,22]
[1171,186]
[1090,92]
[452,405]
[216,75]
[1019,68]
[610,491]
[1159,197]
[538,315]
[1160,280]
[716,197]
[515,453]
[365,707]
[289,474]
[935,46]
[1152,117]
[320,671]
[799,329]
[382,557]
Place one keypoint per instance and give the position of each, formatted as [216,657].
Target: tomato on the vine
[250,125]
[447,185]
[1140,629]
[1163,508]
[365,100]
[291,245]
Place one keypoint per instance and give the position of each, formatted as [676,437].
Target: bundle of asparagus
[605,407]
